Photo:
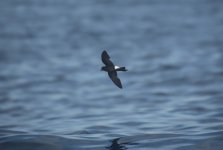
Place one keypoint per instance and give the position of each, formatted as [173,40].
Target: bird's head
[103,68]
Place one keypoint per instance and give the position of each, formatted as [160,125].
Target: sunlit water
[53,95]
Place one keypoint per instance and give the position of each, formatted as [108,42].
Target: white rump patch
[117,67]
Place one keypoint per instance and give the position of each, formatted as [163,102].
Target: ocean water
[53,95]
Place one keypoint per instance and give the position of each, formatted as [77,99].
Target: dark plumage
[111,69]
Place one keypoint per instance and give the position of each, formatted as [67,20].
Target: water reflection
[116,146]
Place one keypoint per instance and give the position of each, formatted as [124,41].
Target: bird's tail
[121,69]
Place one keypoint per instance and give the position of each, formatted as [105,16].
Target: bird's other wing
[115,79]
[106,59]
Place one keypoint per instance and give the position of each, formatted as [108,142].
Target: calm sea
[53,95]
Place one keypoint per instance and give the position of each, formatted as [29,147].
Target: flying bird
[111,69]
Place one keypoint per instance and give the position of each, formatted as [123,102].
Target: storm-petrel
[111,69]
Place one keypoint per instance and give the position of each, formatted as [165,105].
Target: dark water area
[53,95]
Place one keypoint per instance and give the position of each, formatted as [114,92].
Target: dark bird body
[111,69]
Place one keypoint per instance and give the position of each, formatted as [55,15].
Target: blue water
[53,95]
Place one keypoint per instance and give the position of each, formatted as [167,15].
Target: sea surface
[53,95]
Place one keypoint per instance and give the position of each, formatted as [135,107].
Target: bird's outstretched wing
[115,79]
[106,59]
